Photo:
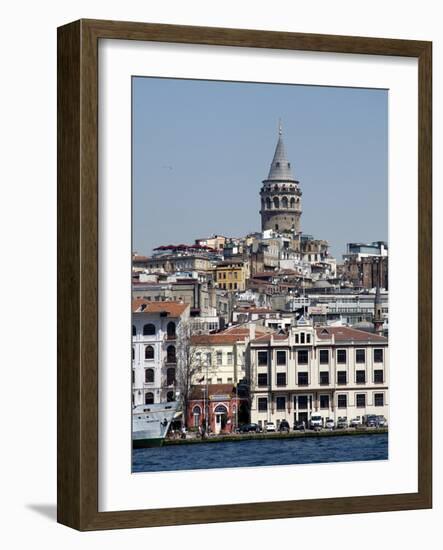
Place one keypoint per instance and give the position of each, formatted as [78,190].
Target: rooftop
[171,309]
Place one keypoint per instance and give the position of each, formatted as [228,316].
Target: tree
[190,365]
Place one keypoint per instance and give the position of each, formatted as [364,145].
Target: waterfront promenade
[192,438]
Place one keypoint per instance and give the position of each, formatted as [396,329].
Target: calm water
[268,452]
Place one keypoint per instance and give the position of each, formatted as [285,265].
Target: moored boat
[150,423]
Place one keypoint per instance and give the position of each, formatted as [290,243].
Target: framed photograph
[244,275]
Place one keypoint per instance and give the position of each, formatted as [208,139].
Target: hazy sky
[201,150]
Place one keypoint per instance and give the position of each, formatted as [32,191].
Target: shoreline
[262,436]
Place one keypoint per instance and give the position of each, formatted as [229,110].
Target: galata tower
[280,195]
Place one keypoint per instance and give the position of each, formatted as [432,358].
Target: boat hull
[146,443]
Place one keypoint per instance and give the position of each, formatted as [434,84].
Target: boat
[150,423]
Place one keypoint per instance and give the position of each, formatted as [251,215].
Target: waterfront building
[155,330]
[223,356]
[330,371]
[217,407]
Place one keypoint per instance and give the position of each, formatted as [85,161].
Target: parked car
[355,422]
[316,422]
[342,423]
[246,428]
[371,421]
[270,427]
[381,421]
[329,424]
[284,426]
[300,425]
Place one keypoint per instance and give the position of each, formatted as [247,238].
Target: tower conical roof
[280,167]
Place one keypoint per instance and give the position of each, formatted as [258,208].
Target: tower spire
[280,193]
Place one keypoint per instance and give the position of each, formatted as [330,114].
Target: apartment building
[155,329]
[329,371]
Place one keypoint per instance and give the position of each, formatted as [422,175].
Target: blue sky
[202,148]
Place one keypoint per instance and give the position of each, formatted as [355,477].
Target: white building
[330,371]
[223,356]
[155,326]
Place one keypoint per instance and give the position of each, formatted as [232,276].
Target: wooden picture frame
[78,274]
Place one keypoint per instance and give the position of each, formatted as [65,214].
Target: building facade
[217,408]
[231,275]
[155,330]
[328,371]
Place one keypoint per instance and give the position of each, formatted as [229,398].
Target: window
[262,358]
[134,330]
[281,358]
[360,376]
[302,337]
[281,379]
[342,401]
[296,338]
[208,359]
[149,329]
[219,380]
[378,356]
[133,376]
[379,399]
[196,412]
[342,377]
[170,376]
[308,338]
[149,352]
[133,354]
[229,380]
[170,329]
[324,378]
[149,398]
[262,379]
[262,404]
[324,357]
[219,357]
[280,403]
[361,400]
[170,354]
[170,396]
[229,357]
[302,356]
[149,376]
[341,356]
[324,401]
[360,356]
[302,401]
[302,379]
[378,376]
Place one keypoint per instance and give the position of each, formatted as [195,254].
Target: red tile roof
[172,309]
[344,334]
[229,336]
